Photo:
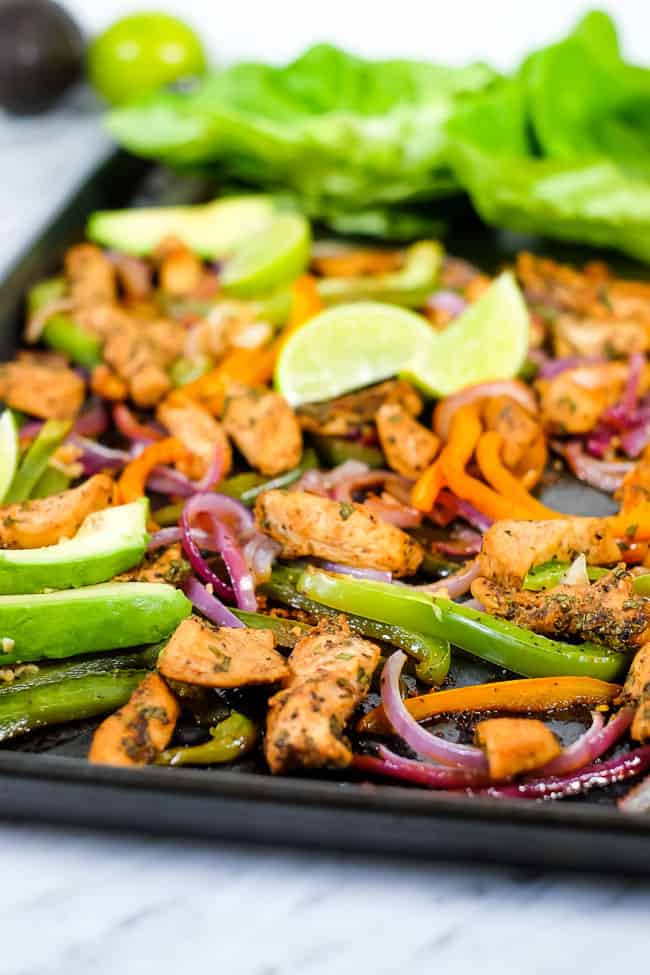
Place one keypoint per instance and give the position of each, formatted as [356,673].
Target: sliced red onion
[418,773]
[464,544]
[323,482]
[555,367]
[404,516]
[448,301]
[513,388]
[163,538]
[400,515]
[130,428]
[260,554]
[92,422]
[222,512]
[467,757]
[596,776]
[457,584]
[350,570]
[636,440]
[95,457]
[463,509]
[606,476]
[596,740]
[209,605]
[165,480]
[599,441]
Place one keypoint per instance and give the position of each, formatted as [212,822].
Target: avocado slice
[410,286]
[105,617]
[108,542]
[213,230]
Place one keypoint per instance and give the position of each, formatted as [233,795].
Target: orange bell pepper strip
[305,303]
[530,468]
[525,696]
[488,456]
[250,367]
[464,435]
[133,480]
[427,487]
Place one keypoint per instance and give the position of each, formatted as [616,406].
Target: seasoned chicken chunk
[179,269]
[607,612]
[329,675]
[91,276]
[594,337]
[45,521]
[139,731]
[517,428]
[225,657]
[409,447]
[574,401]
[346,415]
[264,428]
[168,566]
[199,431]
[637,692]
[516,745]
[306,524]
[512,548]
[34,386]
[635,489]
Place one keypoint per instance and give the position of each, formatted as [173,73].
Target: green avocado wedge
[108,542]
[214,230]
[105,617]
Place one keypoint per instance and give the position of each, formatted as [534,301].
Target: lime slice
[488,341]
[349,346]
[273,256]
[9,451]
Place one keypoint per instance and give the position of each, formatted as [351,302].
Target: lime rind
[268,259]
[9,451]
[487,341]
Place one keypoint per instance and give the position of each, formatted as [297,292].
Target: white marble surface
[74,903]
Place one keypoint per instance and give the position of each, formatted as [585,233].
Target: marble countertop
[74,902]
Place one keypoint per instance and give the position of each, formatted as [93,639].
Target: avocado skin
[41,55]
[105,617]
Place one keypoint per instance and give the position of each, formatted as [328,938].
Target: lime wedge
[349,346]
[276,254]
[9,451]
[488,341]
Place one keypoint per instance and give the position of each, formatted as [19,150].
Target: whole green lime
[139,53]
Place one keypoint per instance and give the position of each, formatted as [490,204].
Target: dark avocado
[41,55]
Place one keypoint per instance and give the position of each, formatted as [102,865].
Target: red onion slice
[596,740]
[555,367]
[350,570]
[603,475]
[457,584]
[467,757]
[418,773]
[209,605]
[458,508]
[448,301]
[95,457]
[163,538]
[501,387]
[598,775]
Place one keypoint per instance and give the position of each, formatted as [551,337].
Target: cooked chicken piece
[107,384]
[517,427]
[607,612]
[512,548]
[224,324]
[344,416]
[593,337]
[306,524]
[516,745]
[179,270]
[344,262]
[168,566]
[265,429]
[91,276]
[329,675]
[45,521]
[225,657]
[40,389]
[138,351]
[637,692]
[139,731]
[635,489]
[199,431]
[574,401]
[134,276]
[409,447]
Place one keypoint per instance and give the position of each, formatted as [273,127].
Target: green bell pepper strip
[36,459]
[185,370]
[287,632]
[61,332]
[245,487]
[333,451]
[229,740]
[550,574]
[431,653]
[410,286]
[497,641]
[52,481]
[641,584]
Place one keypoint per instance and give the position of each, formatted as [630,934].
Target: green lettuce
[342,133]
